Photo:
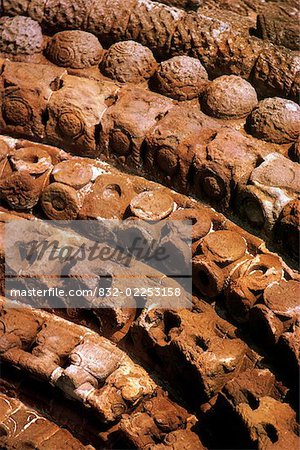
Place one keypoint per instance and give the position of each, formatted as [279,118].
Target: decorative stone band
[177,145]
[229,264]
[61,355]
[90,370]
[247,398]
[169,31]
[22,426]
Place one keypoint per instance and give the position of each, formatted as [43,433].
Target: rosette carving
[71,123]
[15,109]
[129,62]
[75,49]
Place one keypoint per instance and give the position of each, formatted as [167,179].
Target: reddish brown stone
[46,355]
[125,125]
[15,7]
[195,342]
[171,144]
[201,221]
[216,43]
[180,440]
[61,202]
[5,168]
[35,160]
[276,72]
[283,298]
[250,207]
[129,62]
[272,185]
[47,402]
[23,427]
[20,35]
[152,205]
[224,247]
[76,173]
[229,97]
[181,78]
[90,370]
[249,386]
[135,230]
[248,282]
[255,392]
[278,315]
[224,49]
[280,25]
[272,425]
[20,329]
[208,278]
[153,25]
[64,14]
[188,339]
[57,154]
[75,49]
[221,251]
[108,199]
[229,159]
[223,45]
[275,120]
[160,420]
[179,149]
[244,9]
[25,97]
[108,20]
[75,112]
[139,430]
[277,172]
[6,214]
[115,322]
[21,191]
